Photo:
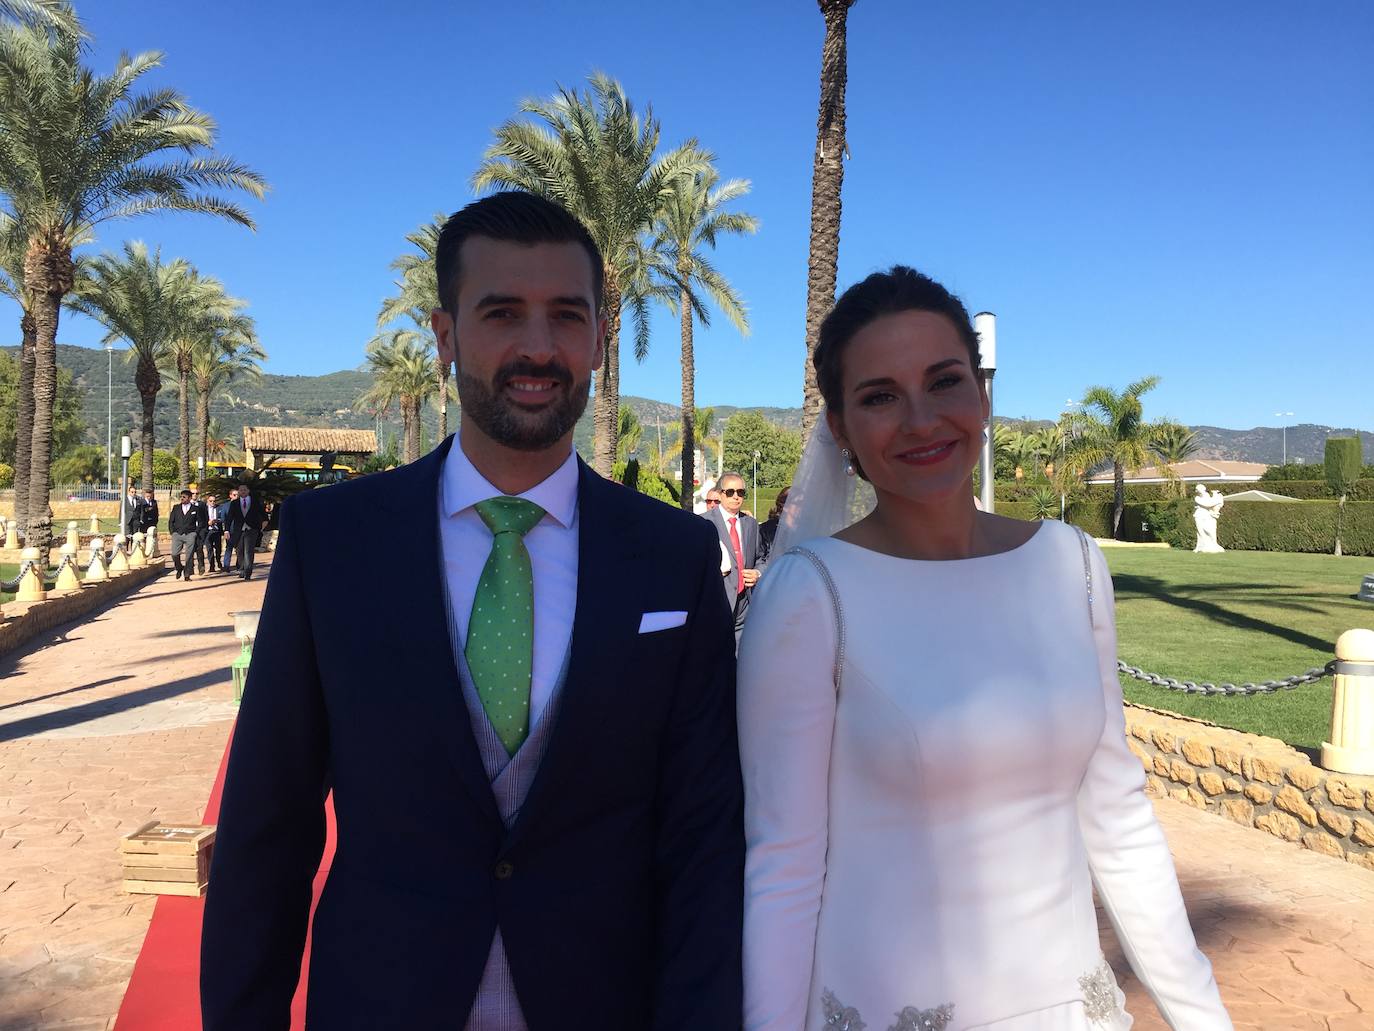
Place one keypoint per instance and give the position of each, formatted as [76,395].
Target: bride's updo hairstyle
[898,289]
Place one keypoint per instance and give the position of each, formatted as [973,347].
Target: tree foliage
[779,449]
[69,426]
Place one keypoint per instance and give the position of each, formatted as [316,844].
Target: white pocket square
[652,621]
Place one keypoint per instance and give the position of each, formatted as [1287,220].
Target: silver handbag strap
[829,582]
[1087,575]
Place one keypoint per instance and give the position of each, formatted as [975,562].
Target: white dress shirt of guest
[552,545]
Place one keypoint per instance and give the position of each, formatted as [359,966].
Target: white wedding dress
[923,842]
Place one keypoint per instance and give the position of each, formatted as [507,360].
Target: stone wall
[21,622]
[1255,781]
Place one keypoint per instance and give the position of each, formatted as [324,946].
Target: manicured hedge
[1310,527]
[1149,492]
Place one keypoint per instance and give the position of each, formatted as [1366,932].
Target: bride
[935,761]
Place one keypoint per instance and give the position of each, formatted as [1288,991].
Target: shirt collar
[463,486]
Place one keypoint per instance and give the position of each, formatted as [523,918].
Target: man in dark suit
[245,520]
[133,513]
[214,531]
[185,522]
[149,514]
[229,543]
[739,535]
[532,753]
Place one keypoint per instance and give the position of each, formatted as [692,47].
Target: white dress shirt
[552,545]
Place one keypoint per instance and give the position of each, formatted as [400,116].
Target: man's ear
[444,333]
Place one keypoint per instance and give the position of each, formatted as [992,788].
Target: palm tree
[43,14]
[139,298]
[417,294]
[218,446]
[1024,449]
[219,358]
[76,150]
[1173,442]
[594,155]
[403,364]
[1114,431]
[214,315]
[692,218]
[827,176]
[628,433]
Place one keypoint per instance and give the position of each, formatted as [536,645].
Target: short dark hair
[186,494]
[245,485]
[898,289]
[512,216]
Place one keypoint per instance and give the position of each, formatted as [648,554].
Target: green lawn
[7,572]
[1241,616]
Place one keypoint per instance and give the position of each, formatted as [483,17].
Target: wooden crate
[167,860]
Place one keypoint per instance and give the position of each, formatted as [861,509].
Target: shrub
[1308,527]
[6,476]
[648,483]
[1172,521]
[164,468]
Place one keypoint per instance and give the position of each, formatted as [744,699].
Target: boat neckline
[945,561]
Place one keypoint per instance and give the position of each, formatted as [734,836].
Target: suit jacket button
[504,870]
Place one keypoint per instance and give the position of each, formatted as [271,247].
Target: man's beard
[512,426]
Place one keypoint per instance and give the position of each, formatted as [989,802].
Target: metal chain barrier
[1264,687]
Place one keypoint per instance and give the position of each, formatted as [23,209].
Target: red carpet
[164,992]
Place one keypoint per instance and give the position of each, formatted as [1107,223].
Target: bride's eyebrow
[882,381]
[938,366]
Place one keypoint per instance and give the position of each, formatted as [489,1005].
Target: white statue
[1205,515]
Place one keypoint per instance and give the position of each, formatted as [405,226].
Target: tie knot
[509,515]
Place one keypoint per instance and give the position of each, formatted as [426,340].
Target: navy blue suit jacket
[619,891]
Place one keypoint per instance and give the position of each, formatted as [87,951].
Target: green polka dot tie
[500,647]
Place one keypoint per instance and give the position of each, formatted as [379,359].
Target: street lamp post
[985,325]
[756,484]
[200,473]
[109,416]
[1283,415]
[1064,451]
[126,449]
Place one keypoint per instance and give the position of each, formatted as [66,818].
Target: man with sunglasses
[739,536]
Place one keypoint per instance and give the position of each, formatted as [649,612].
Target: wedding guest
[768,529]
[739,535]
[915,846]
[214,531]
[149,513]
[184,523]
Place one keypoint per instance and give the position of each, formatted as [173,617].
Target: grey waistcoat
[496,1007]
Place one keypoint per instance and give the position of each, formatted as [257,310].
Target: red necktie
[739,554]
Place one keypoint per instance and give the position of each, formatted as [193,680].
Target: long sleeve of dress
[1129,857]
[786,721]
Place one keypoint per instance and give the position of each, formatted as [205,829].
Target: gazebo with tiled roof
[262,443]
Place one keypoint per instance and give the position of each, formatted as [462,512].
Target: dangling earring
[848,461]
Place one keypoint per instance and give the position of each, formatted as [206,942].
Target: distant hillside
[327,401]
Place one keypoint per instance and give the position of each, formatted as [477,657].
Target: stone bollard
[137,558]
[12,535]
[95,523]
[67,580]
[119,560]
[31,585]
[73,536]
[1351,748]
[150,543]
[96,571]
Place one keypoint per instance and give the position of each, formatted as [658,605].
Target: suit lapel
[424,620]
[608,611]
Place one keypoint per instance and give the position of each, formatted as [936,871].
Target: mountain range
[327,401]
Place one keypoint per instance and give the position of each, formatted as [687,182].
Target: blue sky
[1174,188]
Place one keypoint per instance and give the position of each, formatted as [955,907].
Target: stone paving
[124,718]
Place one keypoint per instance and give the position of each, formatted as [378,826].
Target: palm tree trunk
[184,419]
[827,176]
[149,382]
[689,401]
[23,430]
[410,416]
[203,424]
[441,367]
[1118,498]
[48,273]
[606,411]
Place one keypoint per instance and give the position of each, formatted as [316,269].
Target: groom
[529,734]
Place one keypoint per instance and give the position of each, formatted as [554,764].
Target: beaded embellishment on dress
[912,1019]
[842,1018]
[846,1018]
[1099,994]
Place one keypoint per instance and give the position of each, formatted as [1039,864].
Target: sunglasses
[712,501]
[734,492]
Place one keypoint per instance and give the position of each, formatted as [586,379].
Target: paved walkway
[125,718]
[120,720]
